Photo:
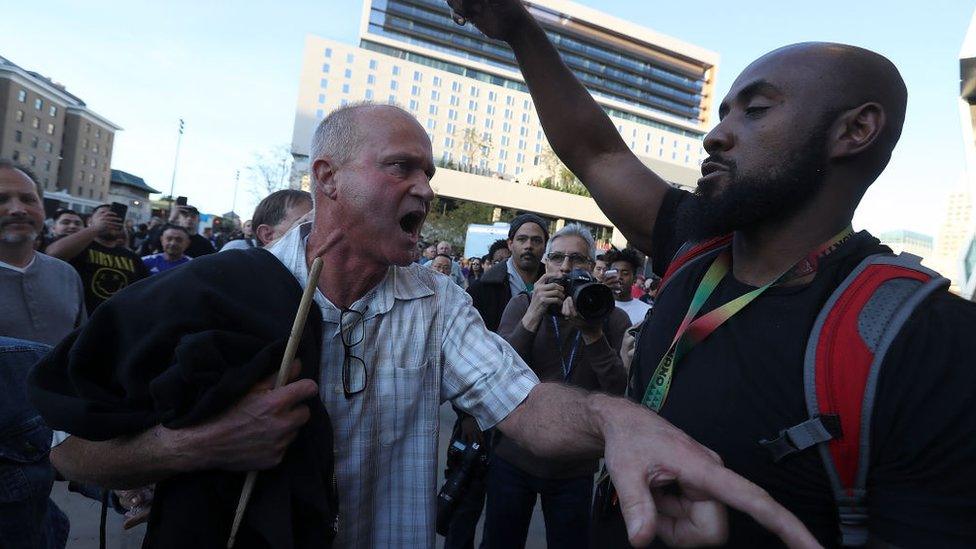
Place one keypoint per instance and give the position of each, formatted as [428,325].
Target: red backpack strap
[690,252]
[846,348]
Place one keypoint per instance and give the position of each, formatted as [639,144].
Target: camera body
[464,462]
[593,300]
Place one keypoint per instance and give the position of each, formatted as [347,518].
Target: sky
[232,74]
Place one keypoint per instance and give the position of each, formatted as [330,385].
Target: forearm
[68,247]
[575,125]
[124,463]
[558,421]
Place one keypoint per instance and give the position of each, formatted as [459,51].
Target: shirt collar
[401,283]
[515,278]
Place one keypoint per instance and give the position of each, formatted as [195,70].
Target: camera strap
[566,366]
[693,331]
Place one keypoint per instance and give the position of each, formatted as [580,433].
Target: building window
[471,118]
[98,133]
[36,123]
[521,144]
[47,167]
[22,96]
[489,123]
[505,141]
[345,88]
[509,100]
[433,109]
[370,78]
[501,167]
[450,128]
[393,84]
[437,81]
[95,148]
[508,114]
[472,105]
[431,124]
[48,146]
[413,105]
[506,127]
[38,104]
[324,83]
[349,58]
[328,52]
[490,109]
[396,70]
[525,118]
[15,155]
[414,90]
[523,131]
[526,104]
[519,158]
[503,155]
[84,144]
[18,136]
[455,86]
[392,100]
[455,101]
[91,178]
[94,163]
[448,142]
[372,64]
[417,77]
[435,95]
[325,68]
[369,95]
[319,114]
[20,116]
[348,73]
[491,96]
[87,128]
[452,114]
[31,160]
[321,98]
[53,111]
[34,142]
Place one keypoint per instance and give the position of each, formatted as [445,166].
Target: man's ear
[265,233]
[323,177]
[857,130]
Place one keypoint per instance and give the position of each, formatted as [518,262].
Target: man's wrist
[531,320]
[179,449]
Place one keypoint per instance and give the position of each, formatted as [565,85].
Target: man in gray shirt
[41,298]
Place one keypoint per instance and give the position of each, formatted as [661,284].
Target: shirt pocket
[24,468]
[412,410]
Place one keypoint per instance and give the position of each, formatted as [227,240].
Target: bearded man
[803,132]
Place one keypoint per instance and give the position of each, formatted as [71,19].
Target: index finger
[707,479]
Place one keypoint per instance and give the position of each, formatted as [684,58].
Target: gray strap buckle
[802,436]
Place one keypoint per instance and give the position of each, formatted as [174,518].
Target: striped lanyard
[566,366]
[693,331]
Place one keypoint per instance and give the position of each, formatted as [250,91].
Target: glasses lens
[557,257]
[353,375]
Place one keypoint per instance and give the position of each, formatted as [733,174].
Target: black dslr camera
[593,300]
[464,462]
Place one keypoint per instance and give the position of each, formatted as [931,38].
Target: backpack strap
[844,354]
[689,252]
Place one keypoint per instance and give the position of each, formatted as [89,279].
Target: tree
[449,219]
[271,171]
[558,177]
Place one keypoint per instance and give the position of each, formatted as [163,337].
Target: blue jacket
[28,517]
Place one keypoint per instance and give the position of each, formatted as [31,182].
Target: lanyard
[567,367]
[693,331]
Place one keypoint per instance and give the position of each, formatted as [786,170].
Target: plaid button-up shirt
[424,344]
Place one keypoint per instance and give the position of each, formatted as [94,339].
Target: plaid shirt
[424,344]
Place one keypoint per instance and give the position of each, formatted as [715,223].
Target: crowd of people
[683,404]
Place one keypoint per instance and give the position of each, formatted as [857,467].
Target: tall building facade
[468,93]
[964,261]
[911,242]
[53,132]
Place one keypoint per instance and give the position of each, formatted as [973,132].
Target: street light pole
[176,159]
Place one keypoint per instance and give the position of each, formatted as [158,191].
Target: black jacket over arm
[177,349]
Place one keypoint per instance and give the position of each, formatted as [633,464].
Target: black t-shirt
[104,271]
[745,383]
[199,246]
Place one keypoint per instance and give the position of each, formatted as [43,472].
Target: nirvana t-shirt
[744,383]
[104,271]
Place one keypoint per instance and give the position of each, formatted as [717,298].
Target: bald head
[344,130]
[835,78]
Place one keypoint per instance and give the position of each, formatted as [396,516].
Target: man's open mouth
[411,222]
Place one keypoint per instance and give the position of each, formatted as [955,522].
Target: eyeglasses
[576,260]
[352,332]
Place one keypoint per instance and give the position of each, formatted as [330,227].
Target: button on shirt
[424,344]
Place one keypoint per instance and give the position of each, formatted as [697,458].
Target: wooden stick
[291,348]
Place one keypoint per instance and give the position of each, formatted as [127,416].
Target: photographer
[563,348]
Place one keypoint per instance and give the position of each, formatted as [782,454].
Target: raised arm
[579,130]
[68,247]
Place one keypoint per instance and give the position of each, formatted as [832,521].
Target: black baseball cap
[528,218]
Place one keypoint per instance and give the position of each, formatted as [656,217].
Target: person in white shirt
[397,340]
[622,267]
